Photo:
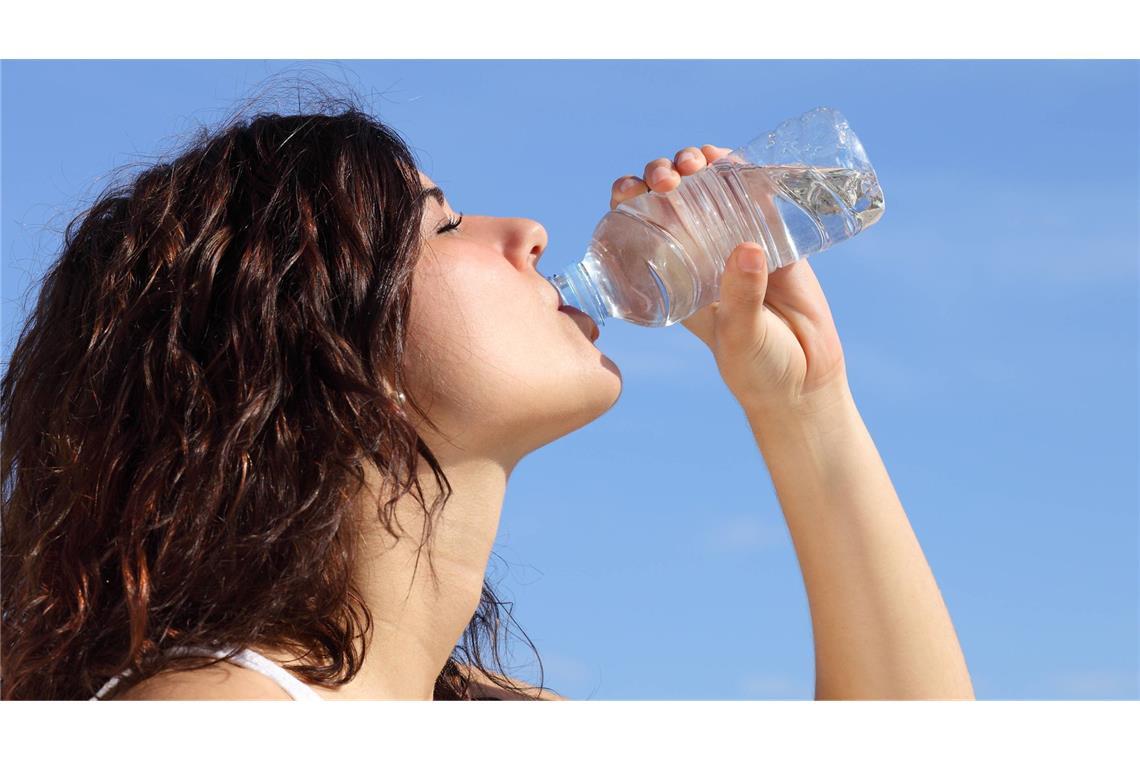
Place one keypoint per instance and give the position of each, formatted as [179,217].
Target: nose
[524,241]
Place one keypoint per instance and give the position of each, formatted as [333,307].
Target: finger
[712,152]
[625,188]
[741,323]
[689,161]
[661,176]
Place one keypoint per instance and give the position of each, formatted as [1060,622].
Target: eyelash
[452,224]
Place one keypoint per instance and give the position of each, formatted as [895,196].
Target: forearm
[880,626]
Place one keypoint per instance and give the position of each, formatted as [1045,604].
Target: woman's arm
[881,629]
[880,626]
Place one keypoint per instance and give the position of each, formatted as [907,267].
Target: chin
[617,384]
[594,394]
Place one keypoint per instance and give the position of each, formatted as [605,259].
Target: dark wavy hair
[188,411]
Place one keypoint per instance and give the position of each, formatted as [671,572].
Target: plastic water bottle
[657,258]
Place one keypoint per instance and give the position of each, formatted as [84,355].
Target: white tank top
[246,658]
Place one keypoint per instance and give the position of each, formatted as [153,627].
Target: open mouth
[589,327]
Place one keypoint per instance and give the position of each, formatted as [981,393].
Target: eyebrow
[431,192]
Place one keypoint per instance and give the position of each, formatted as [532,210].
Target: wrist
[823,440]
[815,412]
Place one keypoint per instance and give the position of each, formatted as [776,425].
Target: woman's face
[490,357]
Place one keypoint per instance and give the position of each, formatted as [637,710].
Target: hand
[772,335]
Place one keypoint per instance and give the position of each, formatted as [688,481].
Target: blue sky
[989,322]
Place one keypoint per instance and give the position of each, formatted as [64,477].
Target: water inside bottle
[841,192]
[663,253]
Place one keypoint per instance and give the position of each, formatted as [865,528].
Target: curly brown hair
[188,410]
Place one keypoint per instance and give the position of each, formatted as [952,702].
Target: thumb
[740,315]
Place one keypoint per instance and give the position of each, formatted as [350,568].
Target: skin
[504,373]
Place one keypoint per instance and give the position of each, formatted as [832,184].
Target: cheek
[453,299]
[489,357]
[473,324]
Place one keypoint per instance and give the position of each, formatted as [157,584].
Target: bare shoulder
[222,680]
[484,688]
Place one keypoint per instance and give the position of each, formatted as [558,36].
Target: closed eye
[452,224]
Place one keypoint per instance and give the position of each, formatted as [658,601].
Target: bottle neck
[577,287]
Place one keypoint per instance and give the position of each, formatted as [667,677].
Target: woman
[266,379]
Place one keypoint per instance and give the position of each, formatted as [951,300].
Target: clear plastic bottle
[657,258]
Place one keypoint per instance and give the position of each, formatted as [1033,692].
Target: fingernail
[686,155]
[660,174]
[752,260]
[627,184]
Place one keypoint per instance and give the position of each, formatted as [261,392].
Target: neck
[418,619]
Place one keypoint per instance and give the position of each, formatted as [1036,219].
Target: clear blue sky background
[989,320]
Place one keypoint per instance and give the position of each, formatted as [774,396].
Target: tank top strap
[246,658]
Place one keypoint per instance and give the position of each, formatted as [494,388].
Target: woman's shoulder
[222,680]
[230,681]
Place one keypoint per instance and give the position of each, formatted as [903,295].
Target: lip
[583,320]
